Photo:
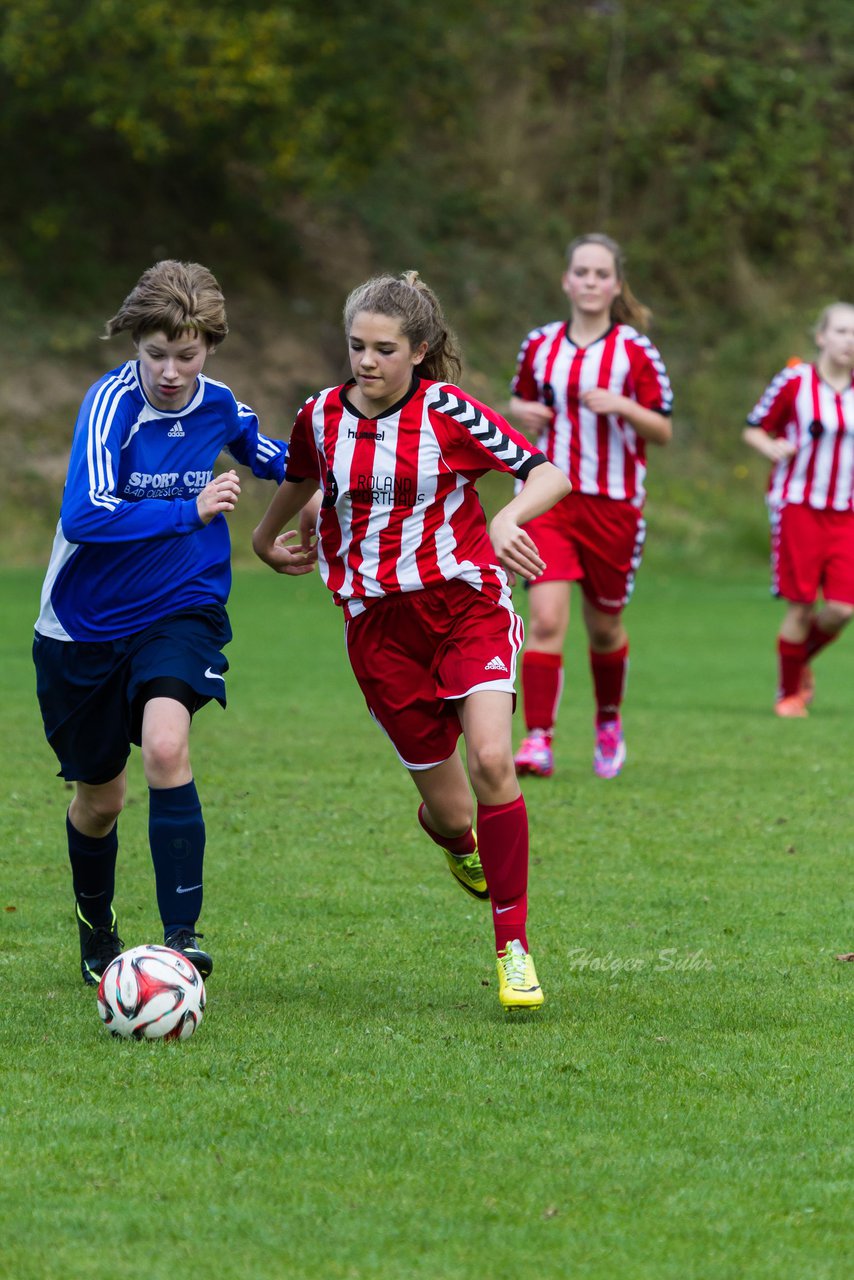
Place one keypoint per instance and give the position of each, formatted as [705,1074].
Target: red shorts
[812,551]
[416,654]
[595,541]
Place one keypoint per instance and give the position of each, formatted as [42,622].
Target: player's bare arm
[271,545]
[532,416]
[651,426]
[308,521]
[774,448]
[515,548]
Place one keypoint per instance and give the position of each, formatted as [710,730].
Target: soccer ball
[151,993]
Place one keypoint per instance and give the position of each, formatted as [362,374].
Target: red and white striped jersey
[801,407]
[400,511]
[601,453]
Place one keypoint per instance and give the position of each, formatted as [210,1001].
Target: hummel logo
[177,432]
[495,665]
[180,888]
[213,675]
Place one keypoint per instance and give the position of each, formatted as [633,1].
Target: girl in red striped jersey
[592,391]
[403,544]
[804,425]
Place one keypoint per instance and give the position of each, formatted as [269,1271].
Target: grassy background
[355,1104]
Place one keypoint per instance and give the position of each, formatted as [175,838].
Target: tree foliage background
[297,146]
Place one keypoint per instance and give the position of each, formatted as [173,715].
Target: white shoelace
[514,962]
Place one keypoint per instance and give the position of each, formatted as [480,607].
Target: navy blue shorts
[92,695]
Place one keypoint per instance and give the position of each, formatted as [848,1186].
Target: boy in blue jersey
[129,638]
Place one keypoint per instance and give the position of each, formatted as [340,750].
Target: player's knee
[839,613]
[103,814]
[799,614]
[604,630]
[449,815]
[545,631]
[95,809]
[490,765]
[164,755]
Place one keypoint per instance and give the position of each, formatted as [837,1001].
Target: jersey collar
[592,342]
[386,413]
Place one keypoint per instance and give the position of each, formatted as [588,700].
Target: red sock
[502,837]
[542,684]
[791,658]
[609,671]
[817,639]
[462,845]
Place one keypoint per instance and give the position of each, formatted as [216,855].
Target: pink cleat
[535,755]
[793,707]
[610,753]
[807,689]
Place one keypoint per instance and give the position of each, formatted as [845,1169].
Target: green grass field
[355,1106]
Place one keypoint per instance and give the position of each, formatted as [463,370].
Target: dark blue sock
[93,872]
[176,833]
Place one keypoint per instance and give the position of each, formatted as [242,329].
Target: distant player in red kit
[403,544]
[804,425]
[593,391]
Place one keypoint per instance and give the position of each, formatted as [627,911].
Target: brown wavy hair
[408,299]
[173,298]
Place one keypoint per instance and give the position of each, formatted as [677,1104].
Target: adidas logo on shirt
[176,432]
[495,665]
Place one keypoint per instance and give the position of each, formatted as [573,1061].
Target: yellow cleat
[469,873]
[518,987]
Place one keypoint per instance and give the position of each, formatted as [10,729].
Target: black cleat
[99,946]
[184,940]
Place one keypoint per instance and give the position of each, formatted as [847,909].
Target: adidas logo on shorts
[495,665]
[176,432]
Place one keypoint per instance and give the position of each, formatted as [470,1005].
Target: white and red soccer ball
[151,993]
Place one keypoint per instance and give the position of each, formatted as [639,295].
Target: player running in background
[593,391]
[129,640]
[403,543]
[804,425]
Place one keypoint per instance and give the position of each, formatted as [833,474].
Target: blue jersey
[130,546]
